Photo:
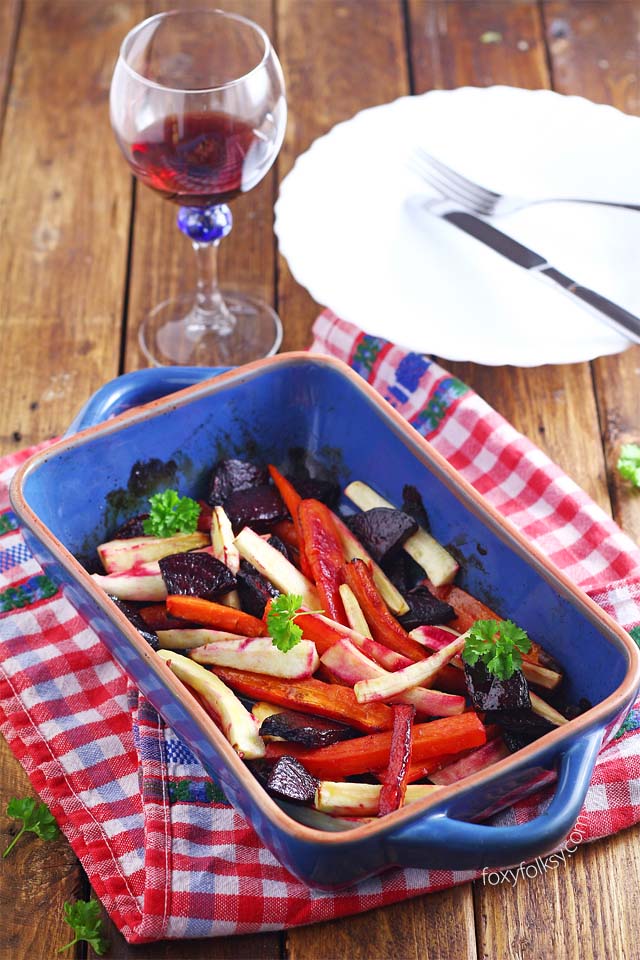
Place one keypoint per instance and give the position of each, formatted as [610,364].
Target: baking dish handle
[474,845]
[136,388]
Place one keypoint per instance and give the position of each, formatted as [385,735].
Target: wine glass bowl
[199,110]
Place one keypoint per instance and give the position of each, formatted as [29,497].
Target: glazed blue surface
[272,415]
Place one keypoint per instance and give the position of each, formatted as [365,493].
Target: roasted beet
[489,693]
[413,504]
[229,476]
[519,720]
[311,488]
[516,739]
[286,778]
[196,575]
[306,729]
[382,530]
[254,590]
[132,528]
[136,620]
[257,507]
[281,547]
[425,609]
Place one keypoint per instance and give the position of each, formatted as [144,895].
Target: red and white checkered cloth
[165,853]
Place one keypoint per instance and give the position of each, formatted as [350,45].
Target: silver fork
[477,199]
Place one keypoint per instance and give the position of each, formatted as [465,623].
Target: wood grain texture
[553,405]
[64,204]
[9,21]
[594,51]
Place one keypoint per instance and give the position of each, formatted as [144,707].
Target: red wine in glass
[197,159]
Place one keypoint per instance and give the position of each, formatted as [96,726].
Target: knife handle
[612,313]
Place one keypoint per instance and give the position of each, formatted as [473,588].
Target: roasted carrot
[468,609]
[323,550]
[421,769]
[156,617]
[310,696]
[437,739]
[394,783]
[384,627]
[215,615]
[292,500]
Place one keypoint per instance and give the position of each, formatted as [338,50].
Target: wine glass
[198,107]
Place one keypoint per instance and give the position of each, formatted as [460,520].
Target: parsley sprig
[629,463]
[497,644]
[170,514]
[284,633]
[36,818]
[84,918]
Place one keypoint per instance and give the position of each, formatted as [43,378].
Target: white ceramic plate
[355,232]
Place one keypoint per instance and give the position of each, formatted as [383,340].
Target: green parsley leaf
[498,644]
[629,463]
[84,918]
[171,514]
[36,818]
[283,631]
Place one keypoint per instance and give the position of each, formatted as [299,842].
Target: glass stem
[210,309]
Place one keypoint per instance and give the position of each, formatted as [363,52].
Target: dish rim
[596,717]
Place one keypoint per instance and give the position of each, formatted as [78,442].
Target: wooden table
[83,255]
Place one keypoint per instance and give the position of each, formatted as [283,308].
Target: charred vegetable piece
[254,589]
[306,729]
[425,609]
[196,575]
[131,528]
[517,739]
[413,504]
[519,721]
[487,692]
[394,785]
[137,621]
[257,507]
[382,530]
[312,488]
[276,542]
[325,556]
[229,476]
[286,778]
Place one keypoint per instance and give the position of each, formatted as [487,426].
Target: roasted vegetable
[254,590]
[196,575]
[216,615]
[133,616]
[229,476]
[257,507]
[276,568]
[425,609]
[131,528]
[324,553]
[360,799]
[487,692]
[382,530]
[119,556]
[306,729]
[286,778]
[394,784]
[259,655]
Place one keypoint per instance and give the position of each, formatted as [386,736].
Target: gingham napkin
[165,853]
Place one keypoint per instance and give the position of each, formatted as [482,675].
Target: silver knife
[616,316]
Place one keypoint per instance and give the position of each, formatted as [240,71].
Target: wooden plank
[553,405]
[64,204]
[163,264]
[64,208]
[329,82]
[9,21]
[594,51]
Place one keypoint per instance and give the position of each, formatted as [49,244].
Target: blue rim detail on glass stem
[206,224]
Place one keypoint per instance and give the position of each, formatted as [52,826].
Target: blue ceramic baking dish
[71,497]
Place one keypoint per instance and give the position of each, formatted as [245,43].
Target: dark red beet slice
[254,590]
[517,739]
[258,508]
[425,609]
[286,778]
[196,575]
[136,620]
[302,728]
[229,476]
[382,530]
[413,504]
[489,693]
[132,528]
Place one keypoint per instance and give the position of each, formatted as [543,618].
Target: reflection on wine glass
[198,107]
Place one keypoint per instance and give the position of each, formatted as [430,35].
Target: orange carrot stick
[323,550]
[309,696]
[215,615]
[292,500]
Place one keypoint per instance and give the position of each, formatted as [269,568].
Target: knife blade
[622,320]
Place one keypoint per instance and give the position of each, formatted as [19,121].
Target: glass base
[175,333]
